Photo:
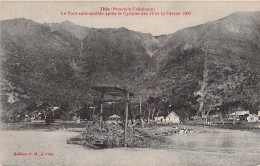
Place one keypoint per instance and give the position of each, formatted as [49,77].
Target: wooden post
[234,118]
[126,115]
[101,110]
[140,103]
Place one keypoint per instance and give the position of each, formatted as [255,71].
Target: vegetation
[49,63]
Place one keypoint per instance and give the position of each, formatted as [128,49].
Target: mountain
[149,42]
[230,47]
[113,54]
[118,52]
[78,31]
[36,60]
[216,63]
[48,63]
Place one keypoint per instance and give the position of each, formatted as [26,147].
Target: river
[221,147]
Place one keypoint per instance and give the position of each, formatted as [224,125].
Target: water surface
[224,147]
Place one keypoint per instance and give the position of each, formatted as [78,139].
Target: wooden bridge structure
[123,93]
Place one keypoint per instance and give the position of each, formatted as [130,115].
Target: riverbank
[41,126]
[189,126]
[226,124]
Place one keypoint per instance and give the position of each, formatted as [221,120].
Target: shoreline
[80,126]
[40,126]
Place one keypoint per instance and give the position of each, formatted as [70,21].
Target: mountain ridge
[59,62]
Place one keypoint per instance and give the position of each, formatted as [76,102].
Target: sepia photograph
[151,83]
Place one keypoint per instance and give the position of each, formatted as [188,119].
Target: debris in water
[112,135]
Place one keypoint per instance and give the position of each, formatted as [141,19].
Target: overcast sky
[201,12]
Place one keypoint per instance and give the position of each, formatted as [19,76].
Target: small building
[54,108]
[252,118]
[172,117]
[114,118]
[238,114]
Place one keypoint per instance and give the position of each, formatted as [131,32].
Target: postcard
[128,83]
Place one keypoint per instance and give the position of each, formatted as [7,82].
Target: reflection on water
[214,148]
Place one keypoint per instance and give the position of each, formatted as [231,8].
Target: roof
[215,116]
[114,116]
[173,114]
[55,108]
[114,91]
[239,113]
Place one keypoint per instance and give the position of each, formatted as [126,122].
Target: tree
[155,105]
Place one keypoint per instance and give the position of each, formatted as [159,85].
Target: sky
[201,12]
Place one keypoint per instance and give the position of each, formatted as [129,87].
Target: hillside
[47,63]
[57,63]
[231,67]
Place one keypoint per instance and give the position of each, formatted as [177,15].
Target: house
[114,118]
[252,118]
[172,117]
[54,108]
[238,114]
